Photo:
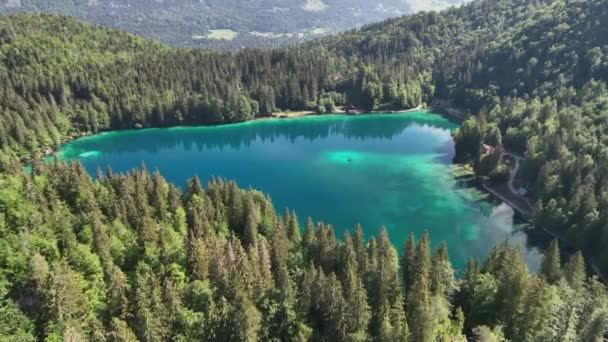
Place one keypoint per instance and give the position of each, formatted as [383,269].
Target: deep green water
[382,169]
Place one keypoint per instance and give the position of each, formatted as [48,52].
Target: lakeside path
[524,212]
[513,198]
[446,108]
[513,172]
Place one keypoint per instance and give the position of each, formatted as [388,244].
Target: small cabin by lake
[487,149]
[350,109]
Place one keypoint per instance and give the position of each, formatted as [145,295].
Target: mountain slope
[228,24]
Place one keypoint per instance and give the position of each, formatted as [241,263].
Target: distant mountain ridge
[228,24]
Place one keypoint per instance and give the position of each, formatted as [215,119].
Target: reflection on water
[243,135]
[379,170]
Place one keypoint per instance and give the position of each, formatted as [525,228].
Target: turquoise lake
[392,170]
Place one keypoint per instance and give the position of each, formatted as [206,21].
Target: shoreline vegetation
[342,111]
[438,106]
[500,191]
[522,207]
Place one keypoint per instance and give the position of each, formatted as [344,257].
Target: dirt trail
[525,212]
[513,172]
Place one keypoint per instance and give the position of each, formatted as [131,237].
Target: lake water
[392,170]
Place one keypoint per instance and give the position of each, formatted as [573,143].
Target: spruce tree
[407,261]
[357,308]
[574,270]
[419,295]
[243,321]
[442,280]
[252,220]
[293,229]
[121,332]
[309,241]
[551,264]
[280,250]
[360,252]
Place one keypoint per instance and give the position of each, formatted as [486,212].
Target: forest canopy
[131,256]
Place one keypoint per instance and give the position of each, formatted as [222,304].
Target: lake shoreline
[304,113]
[48,152]
[526,216]
[395,163]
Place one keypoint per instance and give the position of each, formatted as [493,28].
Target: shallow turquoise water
[382,169]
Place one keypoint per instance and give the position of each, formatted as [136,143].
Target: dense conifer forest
[130,257]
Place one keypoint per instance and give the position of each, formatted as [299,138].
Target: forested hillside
[104,79]
[535,70]
[84,259]
[62,78]
[228,24]
[131,257]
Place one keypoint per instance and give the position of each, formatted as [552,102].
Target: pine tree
[419,296]
[359,247]
[118,293]
[280,251]
[265,265]
[334,312]
[120,331]
[407,261]
[305,292]
[102,242]
[357,309]
[551,265]
[158,194]
[400,329]
[309,241]
[243,321]
[574,270]
[513,281]
[293,229]
[68,301]
[442,280]
[383,286]
[149,311]
[252,220]
[537,300]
